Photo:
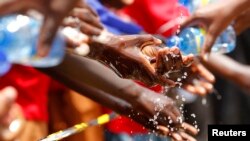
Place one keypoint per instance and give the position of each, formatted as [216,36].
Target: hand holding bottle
[214,18]
[54,12]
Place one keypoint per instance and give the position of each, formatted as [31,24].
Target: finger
[187,60]
[150,50]
[85,16]
[189,88]
[7,97]
[89,29]
[189,128]
[187,137]
[189,21]
[210,38]
[73,37]
[207,86]
[203,72]
[177,58]
[163,130]
[47,34]
[142,40]
[173,118]
[177,113]
[195,89]
[84,27]
[166,82]
[163,62]
[92,11]
[177,136]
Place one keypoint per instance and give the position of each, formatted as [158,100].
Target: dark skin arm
[229,69]
[118,105]
[121,53]
[86,71]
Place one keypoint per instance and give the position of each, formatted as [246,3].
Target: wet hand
[199,80]
[123,54]
[185,71]
[184,133]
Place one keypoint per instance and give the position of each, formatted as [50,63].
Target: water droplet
[193,115]
[204,101]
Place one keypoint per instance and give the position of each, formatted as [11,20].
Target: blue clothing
[112,22]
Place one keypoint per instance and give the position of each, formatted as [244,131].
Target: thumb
[144,40]
[47,34]
[208,43]
[7,97]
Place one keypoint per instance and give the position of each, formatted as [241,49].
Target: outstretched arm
[82,70]
[229,69]
[117,104]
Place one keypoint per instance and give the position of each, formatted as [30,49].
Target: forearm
[239,6]
[94,74]
[118,105]
[229,69]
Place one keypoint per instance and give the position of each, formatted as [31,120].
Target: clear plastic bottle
[4,64]
[193,5]
[190,41]
[18,41]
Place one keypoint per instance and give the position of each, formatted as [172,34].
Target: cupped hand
[160,114]
[198,80]
[123,54]
[185,71]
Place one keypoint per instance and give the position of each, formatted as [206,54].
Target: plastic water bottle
[193,5]
[191,39]
[4,64]
[18,42]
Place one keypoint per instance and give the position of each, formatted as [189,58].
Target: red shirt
[151,15]
[32,87]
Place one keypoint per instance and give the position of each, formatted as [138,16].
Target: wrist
[240,6]
[98,44]
[133,93]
